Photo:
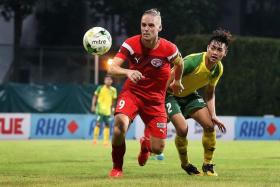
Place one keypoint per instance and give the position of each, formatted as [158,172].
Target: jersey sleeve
[173,54]
[187,65]
[191,62]
[97,91]
[125,50]
[214,81]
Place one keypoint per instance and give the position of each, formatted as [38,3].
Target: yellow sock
[106,135]
[96,133]
[181,145]
[209,142]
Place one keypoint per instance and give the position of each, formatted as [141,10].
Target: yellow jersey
[105,97]
[196,75]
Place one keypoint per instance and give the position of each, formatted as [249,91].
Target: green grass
[79,163]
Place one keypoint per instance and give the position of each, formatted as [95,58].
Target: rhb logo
[271,129]
[57,127]
[257,129]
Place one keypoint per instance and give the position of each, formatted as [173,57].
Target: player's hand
[134,75]
[177,86]
[220,124]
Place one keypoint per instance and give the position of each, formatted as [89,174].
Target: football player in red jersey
[150,58]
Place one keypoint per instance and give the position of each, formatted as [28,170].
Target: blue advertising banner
[257,128]
[58,126]
[91,121]
[68,126]
[89,127]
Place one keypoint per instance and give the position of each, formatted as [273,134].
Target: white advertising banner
[15,126]
[139,127]
[195,130]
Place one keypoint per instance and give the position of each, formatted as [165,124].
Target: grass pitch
[79,163]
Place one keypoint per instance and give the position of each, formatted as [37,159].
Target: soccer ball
[97,41]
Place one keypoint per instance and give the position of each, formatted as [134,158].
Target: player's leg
[121,125]
[155,119]
[145,147]
[202,116]
[96,130]
[157,145]
[106,131]
[147,135]
[148,146]
[153,156]
[126,111]
[181,141]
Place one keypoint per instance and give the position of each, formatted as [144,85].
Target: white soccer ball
[97,41]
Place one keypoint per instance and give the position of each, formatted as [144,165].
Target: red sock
[147,136]
[117,155]
[146,145]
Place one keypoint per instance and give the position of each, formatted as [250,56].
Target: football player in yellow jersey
[103,104]
[201,70]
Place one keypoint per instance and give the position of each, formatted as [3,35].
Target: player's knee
[158,149]
[182,132]
[121,124]
[208,127]
[119,130]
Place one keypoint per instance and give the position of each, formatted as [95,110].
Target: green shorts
[102,118]
[185,105]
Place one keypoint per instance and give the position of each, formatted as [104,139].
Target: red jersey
[154,64]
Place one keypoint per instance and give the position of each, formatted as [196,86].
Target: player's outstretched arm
[209,96]
[116,70]
[176,85]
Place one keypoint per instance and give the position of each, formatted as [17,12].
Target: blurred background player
[103,104]
[200,70]
[150,58]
